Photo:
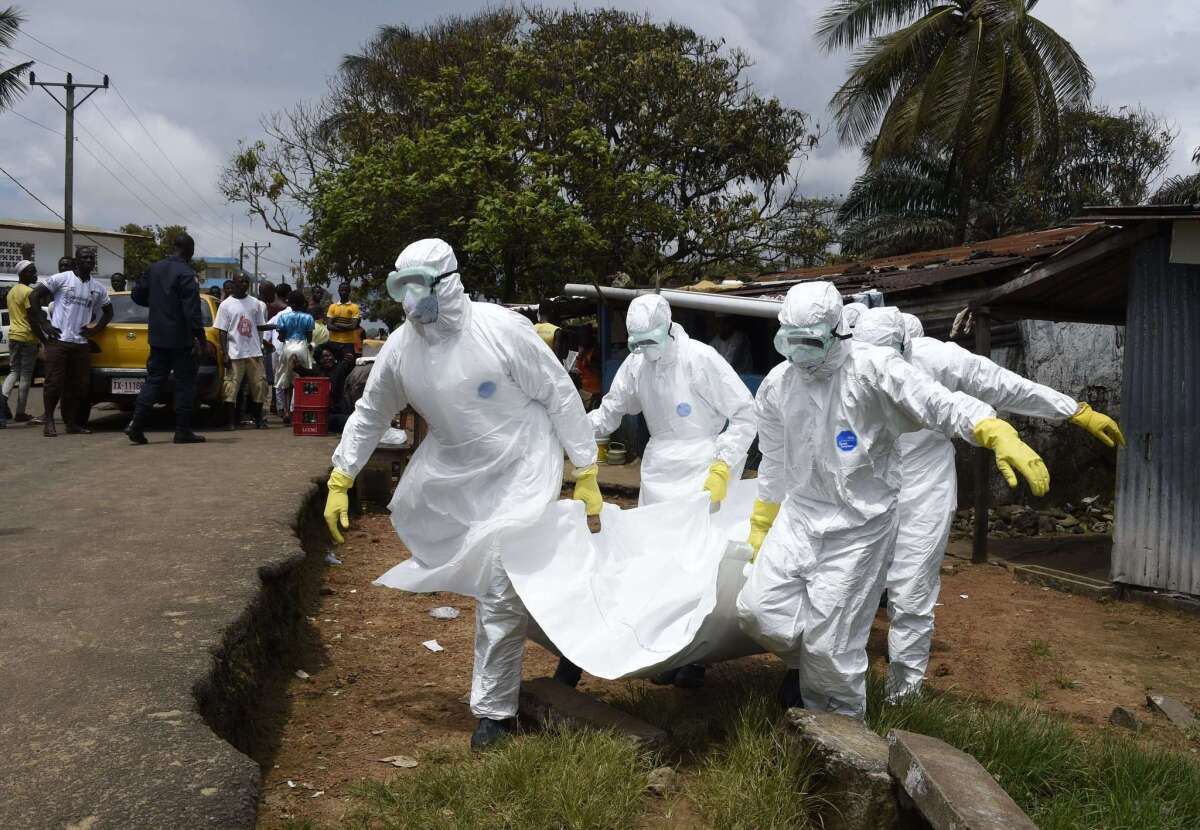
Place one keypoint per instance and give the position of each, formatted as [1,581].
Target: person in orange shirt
[343,319]
[588,366]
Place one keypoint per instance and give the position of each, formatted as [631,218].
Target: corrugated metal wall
[1156,542]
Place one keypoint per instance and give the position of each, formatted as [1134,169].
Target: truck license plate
[127,386]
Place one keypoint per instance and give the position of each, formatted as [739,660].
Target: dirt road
[375,692]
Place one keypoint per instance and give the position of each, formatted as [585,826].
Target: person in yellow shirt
[343,319]
[23,342]
[550,333]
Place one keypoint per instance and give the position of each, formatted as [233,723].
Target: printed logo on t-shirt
[846,440]
[243,326]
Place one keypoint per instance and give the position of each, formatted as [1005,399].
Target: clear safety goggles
[414,282]
[790,340]
[640,341]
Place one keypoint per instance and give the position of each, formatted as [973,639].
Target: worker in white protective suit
[851,314]
[501,410]
[687,393]
[699,412]
[929,489]
[828,421]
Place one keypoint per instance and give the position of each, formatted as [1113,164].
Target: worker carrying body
[687,393]
[828,421]
[501,410]
[929,481]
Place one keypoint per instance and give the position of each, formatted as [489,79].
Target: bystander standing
[241,322]
[176,333]
[81,310]
[343,320]
[22,343]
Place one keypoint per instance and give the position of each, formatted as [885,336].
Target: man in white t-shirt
[241,320]
[81,310]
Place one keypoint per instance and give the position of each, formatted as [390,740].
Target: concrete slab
[546,702]
[950,788]
[1063,581]
[857,788]
[124,570]
[1175,711]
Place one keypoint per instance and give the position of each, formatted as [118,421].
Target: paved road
[122,567]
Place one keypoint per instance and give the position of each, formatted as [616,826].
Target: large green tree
[972,79]
[910,201]
[11,87]
[547,146]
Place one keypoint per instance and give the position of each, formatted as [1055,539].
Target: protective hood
[438,257]
[912,325]
[649,317]
[884,327]
[851,314]
[817,304]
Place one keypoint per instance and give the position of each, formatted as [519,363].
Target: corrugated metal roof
[1032,245]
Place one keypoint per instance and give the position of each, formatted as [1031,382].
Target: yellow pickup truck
[119,355]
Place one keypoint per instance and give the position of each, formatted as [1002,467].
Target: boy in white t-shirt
[241,320]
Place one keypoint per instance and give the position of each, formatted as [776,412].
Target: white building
[42,242]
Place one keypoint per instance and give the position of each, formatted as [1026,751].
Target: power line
[34,196]
[63,54]
[58,133]
[36,59]
[220,219]
[128,189]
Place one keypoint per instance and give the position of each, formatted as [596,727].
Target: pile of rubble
[1009,520]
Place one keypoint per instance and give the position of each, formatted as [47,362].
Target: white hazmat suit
[687,395]
[828,438]
[501,410]
[929,490]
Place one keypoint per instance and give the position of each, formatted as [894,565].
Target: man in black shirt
[170,290]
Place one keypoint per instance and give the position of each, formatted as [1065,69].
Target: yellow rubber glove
[761,518]
[337,506]
[1098,424]
[1013,454]
[587,489]
[717,483]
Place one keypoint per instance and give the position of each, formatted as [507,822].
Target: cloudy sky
[199,75]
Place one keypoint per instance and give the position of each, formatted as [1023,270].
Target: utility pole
[258,248]
[69,108]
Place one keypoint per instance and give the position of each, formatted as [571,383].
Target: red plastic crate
[310,421]
[311,393]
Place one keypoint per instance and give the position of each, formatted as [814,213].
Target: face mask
[650,344]
[413,288]
[805,346]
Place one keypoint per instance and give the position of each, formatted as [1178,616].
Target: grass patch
[1039,648]
[1063,780]
[744,770]
[1062,681]
[579,779]
[760,777]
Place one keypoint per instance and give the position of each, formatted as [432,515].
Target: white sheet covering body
[654,589]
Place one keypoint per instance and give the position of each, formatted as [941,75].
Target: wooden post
[983,457]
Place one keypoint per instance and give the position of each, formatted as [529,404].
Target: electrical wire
[35,197]
[58,133]
[216,213]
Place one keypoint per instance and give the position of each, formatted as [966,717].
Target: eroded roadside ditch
[243,698]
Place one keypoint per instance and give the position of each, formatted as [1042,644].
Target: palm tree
[964,76]
[11,87]
[1181,190]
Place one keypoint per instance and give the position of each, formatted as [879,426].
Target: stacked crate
[310,406]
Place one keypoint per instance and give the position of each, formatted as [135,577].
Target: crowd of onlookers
[266,342]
